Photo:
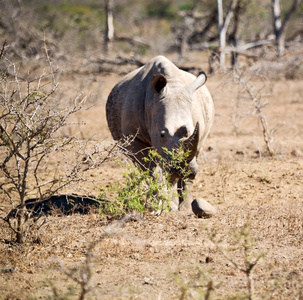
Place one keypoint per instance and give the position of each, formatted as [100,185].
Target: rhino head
[170,113]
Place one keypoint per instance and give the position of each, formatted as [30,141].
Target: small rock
[209,259]
[202,208]
[296,153]
[148,281]
[135,256]
[239,152]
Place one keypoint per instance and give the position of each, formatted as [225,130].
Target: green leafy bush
[143,190]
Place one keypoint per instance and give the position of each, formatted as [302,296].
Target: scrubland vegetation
[116,240]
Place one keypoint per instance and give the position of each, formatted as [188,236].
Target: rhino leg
[181,190]
[175,197]
[184,194]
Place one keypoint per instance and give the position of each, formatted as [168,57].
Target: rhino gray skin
[161,106]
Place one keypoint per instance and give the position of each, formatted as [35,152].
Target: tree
[279,25]
[239,9]
[109,24]
[223,26]
[31,119]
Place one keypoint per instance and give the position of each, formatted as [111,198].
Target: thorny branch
[250,93]
[244,242]
[29,134]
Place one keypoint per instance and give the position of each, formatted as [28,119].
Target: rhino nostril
[182,132]
[162,134]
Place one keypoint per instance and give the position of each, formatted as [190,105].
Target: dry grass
[161,257]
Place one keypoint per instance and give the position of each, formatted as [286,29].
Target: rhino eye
[181,132]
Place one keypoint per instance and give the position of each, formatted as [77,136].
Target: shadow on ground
[64,205]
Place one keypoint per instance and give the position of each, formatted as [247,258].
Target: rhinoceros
[162,106]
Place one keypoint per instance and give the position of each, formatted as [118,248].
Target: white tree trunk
[278,29]
[280,25]
[109,24]
[223,26]
[222,33]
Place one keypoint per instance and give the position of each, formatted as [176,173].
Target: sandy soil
[176,255]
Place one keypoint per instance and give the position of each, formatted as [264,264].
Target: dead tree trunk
[184,31]
[222,33]
[279,25]
[234,35]
[109,25]
[223,26]
[234,38]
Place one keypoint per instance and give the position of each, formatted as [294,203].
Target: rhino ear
[158,83]
[198,82]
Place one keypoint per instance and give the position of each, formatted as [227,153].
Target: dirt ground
[258,227]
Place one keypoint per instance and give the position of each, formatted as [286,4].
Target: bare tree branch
[30,123]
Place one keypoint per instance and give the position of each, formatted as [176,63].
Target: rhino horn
[192,143]
[197,83]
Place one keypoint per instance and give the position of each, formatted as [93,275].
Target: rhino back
[115,104]
[125,108]
[113,113]
[125,103]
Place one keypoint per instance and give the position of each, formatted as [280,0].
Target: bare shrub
[83,273]
[25,41]
[251,99]
[243,242]
[31,120]
[197,285]
[256,98]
